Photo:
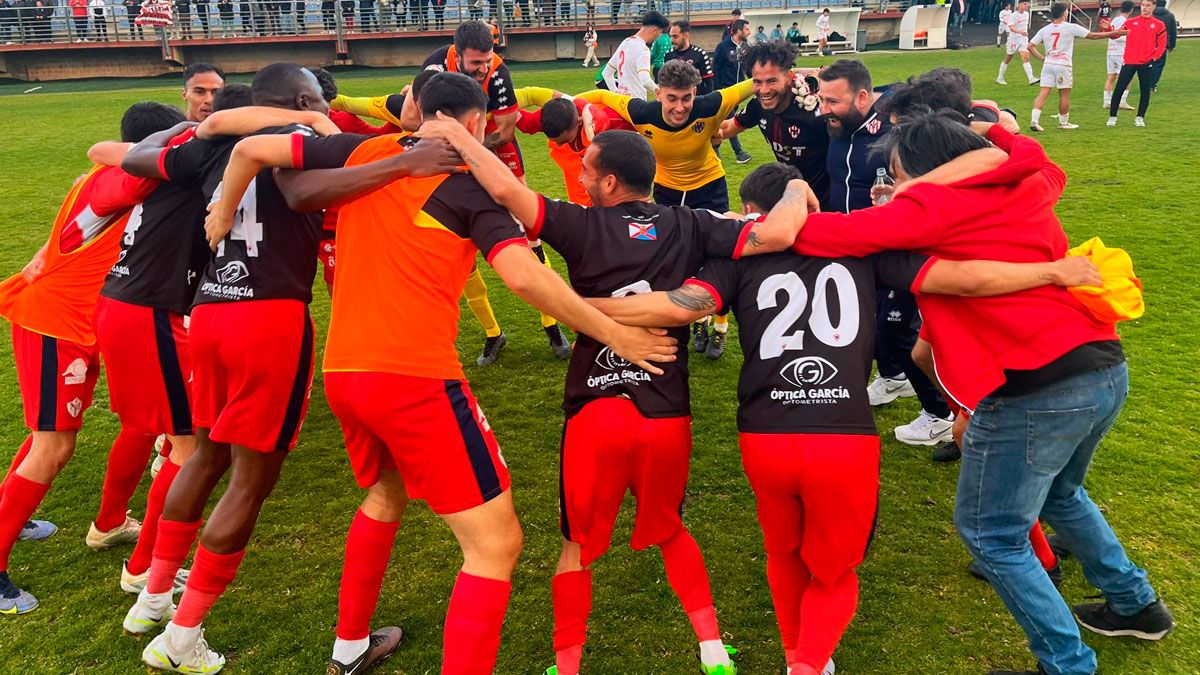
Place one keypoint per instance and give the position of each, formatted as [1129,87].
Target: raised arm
[539,286]
[250,155]
[779,229]
[142,159]
[247,120]
[964,166]
[978,278]
[108,153]
[491,172]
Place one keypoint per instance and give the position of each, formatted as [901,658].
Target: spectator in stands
[79,18]
[41,21]
[958,14]
[348,7]
[589,40]
[328,18]
[99,19]
[439,13]
[727,69]
[183,10]
[225,14]
[1162,14]
[132,9]
[202,14]
[368,21]
[777,34]
[9,27]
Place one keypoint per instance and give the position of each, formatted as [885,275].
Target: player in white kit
[1059,39]
[628,71]
[823,31]
[1116,57]
[1002,28]
[1018,42]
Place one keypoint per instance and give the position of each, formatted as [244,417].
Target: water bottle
[881,190]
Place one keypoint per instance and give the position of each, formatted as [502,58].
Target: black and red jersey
[271,252]
[807,330]
[797,136]
[502,96]
[635,247]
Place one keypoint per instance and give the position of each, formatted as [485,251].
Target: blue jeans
[1025,456]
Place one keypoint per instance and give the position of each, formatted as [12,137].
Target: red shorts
[326,255]
[817,494]
[510,154]
[252,367]
[610,448]
[57,379]
[431,431]
[146,357]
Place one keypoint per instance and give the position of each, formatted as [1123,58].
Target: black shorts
[713,196]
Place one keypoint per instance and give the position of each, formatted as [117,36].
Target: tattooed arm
[778,231]
[495,177]
[680,307]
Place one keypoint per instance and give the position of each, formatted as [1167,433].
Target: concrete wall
[62,62]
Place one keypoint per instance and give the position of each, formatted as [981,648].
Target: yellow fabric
[365,106]
[721,323]
[685,157]
[533,97]
[477,299]
[1120,298]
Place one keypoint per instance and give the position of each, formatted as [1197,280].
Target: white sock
[1036,116]
[1125,97]
[1003,69]
[155,602]
[1028,69]
[1064,119]
[712,653]
[345,651]
[722,327]
[180,639]
[1107,98]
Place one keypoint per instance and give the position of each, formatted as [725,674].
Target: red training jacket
[1147,40]
[1006,214]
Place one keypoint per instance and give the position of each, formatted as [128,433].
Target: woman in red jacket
[1144,45]
[1044,379]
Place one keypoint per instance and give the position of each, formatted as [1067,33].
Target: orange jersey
[56,293]
[404,254]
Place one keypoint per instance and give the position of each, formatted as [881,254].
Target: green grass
[919,613]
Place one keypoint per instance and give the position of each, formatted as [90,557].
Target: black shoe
[947,452]
[382,645]
[700,336]
[491,350]
[1039,671]
[1056,575]
[716,345]
[558,342]
[1056,545]
[1152,622]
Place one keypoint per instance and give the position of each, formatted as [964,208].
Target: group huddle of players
[201,242]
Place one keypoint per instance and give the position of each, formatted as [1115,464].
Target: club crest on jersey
[794,131]
[873,126]
[647,133]
[643,231]
[74,407]
[810,371]
[698,127]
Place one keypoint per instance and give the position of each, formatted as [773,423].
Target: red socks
[368,548]
[685,571]
[788,577]
[20,499]
[211,575]
[572,593]
[126,464]
[17,459]
[1041,547]
[139,560]
[825,610]
[171,547]
[473,621]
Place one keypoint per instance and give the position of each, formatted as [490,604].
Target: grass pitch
[919,613]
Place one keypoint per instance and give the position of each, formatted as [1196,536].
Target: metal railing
[52,21]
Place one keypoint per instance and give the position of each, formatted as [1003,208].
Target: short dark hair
[628,156]
[473,35]
[233,96]
[329,88]
[279,84]
[854,72]
[419,81]
[683,26]
[653,18]
[764,186]
[1058,9]
[452,94]
[1127,6]
[558,117]
[737,24]
[737,11]
[940,88]
[147,117]
[1157,3]
[198,68]
[925,142]
[776,52]
[678,74]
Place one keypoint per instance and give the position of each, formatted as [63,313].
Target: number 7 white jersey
[1059,39]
